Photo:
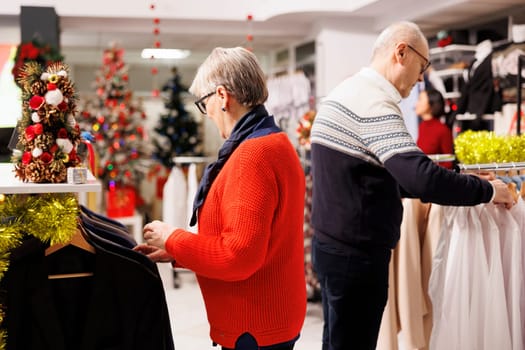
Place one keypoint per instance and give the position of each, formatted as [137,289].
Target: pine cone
[44,141]
[67,88]
[35,172]
[38,88]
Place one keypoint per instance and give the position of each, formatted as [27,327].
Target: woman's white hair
[399,31]
[238,70]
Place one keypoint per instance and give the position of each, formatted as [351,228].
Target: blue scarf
[255,123]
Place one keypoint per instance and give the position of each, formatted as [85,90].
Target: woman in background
[434,137]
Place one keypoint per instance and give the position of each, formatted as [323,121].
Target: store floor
[188,317]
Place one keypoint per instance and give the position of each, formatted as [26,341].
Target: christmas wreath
[34,51]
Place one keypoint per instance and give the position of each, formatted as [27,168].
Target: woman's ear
[224,97]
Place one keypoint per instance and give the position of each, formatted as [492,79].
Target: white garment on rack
[193,184]
[477,282]
[174,196]
[480,275]
[496,333]
[518,330]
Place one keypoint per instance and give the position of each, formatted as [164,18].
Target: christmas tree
[116,122]
[177,132]
[48,134]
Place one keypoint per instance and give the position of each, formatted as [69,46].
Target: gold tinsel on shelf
[481,147]
[50,217]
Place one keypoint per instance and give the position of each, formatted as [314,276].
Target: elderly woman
[248,253]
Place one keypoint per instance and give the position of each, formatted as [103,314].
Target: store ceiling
[84,37]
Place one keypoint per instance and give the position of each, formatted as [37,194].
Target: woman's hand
[154,253]
[157,232]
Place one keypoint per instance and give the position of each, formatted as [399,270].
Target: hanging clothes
[119,305]
[477,285]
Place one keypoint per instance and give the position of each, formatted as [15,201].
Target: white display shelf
[10,184]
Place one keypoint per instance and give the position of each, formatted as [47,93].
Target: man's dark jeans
[354,290]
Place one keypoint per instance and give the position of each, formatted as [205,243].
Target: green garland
[52,218]
[481,147]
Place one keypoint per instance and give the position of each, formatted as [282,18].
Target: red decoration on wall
[155,92]
[249,36]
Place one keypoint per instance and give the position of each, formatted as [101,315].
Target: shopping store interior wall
[342,30]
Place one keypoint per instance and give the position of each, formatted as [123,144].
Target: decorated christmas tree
[116,122]
[48,134]
[177,132]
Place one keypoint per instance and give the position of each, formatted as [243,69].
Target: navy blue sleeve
[420,177]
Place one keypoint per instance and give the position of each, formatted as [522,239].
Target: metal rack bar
[190,160]
[491,166]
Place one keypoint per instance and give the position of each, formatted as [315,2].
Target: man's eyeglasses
[427,62]
[201,105]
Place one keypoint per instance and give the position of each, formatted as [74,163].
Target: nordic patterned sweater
[248,254]
[363,159]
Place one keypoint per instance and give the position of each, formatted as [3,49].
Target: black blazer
[122,306]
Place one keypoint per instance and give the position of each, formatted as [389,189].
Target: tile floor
[188,318]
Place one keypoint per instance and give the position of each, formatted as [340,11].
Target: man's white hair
[399,31]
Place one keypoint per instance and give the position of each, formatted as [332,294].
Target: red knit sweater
[248,254]
[435,137]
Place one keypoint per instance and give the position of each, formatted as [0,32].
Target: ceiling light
[167,54]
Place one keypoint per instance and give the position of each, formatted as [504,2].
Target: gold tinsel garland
[52,218]
[481,147]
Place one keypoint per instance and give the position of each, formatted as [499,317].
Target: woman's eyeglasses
[201,105]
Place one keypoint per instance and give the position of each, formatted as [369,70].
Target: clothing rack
[440,158]
[491,166]
[190,160]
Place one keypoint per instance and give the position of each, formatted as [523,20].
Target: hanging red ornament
[152,6]
[249,17]
[155,93]
[154,70]
[249,37]
[157,44]
[156,31]
[156,20]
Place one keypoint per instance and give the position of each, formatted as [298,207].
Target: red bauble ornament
[26,158]
[156,20]
[249,17]
[155,93]
[157,44]
[36,102]
[154,70]
[249,37]
[156,31]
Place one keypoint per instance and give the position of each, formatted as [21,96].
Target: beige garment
[408,308]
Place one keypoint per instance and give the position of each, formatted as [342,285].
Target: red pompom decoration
[26,158]
[154,70]
[62,106]
[51,86]
[156,31]
[156,20]
[249,17]
[157,44]
[62,133]
[30,133]
[36,102]
[46,157]
[249,37]
[38,129]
